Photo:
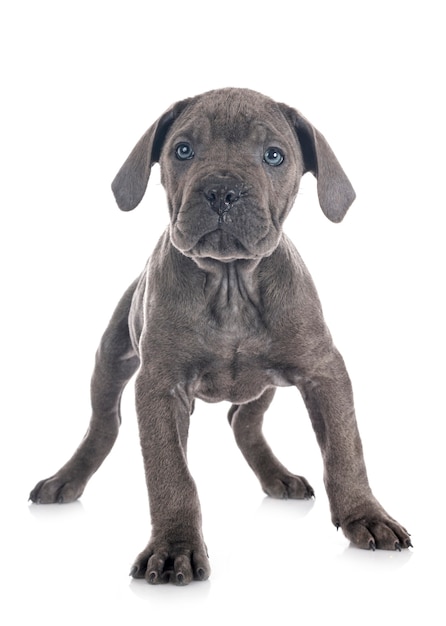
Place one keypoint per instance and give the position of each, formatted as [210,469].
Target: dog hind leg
[116,362]
[276,481]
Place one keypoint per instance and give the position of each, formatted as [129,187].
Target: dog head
[231,162]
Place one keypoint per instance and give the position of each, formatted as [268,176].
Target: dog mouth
[220,245]
[242,231]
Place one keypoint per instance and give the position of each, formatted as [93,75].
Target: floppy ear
[130,183]
[333,187]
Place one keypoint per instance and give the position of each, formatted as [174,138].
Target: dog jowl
[225,310]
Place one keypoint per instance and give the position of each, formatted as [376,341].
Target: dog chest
[238,373]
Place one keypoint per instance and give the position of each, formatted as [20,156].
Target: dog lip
[220,245]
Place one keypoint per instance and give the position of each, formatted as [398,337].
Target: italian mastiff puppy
[225,310]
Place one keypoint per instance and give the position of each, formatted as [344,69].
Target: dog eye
[184,151]
[273,156]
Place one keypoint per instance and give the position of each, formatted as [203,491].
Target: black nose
[222,196]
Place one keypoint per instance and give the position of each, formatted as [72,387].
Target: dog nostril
[222,196]
[231,197]
[211,196]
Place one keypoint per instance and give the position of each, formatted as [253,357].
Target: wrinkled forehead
[234,116]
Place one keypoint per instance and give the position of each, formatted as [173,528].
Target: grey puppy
[225,310]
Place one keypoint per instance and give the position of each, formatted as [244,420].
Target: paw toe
[55,490]
[179,566]
[289,486]
[380,533]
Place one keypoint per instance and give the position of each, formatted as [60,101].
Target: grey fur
[225,310]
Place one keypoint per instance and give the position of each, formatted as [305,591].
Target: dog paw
[288,486]
[378,531]
[57,489]
[176,562]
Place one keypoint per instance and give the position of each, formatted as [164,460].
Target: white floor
[81,83]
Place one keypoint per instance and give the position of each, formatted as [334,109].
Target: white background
[80,83]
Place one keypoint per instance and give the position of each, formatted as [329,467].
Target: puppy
[225,310]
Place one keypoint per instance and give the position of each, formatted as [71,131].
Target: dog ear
[130,183]
[335,191]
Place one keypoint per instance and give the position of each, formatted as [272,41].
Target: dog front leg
[329,399]
[176,551]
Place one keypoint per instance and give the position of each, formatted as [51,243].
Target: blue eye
[184,151]
[273,156]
